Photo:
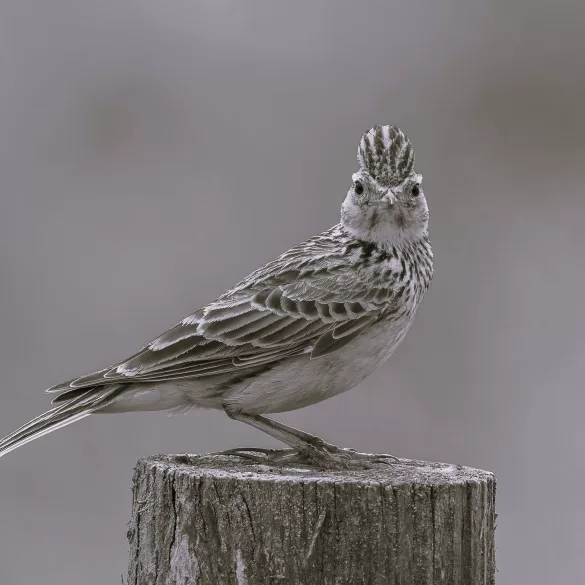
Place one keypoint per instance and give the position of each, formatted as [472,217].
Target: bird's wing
[309,300]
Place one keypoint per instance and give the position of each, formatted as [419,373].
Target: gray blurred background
[153,153]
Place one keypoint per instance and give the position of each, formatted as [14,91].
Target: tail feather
[69,412]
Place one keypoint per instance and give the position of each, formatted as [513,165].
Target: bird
[310,324]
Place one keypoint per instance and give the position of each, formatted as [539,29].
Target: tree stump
[217,520]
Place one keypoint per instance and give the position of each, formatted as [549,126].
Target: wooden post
[216,520]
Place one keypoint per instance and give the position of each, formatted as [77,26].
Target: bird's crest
[386,154]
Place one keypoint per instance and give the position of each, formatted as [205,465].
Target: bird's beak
[389,198]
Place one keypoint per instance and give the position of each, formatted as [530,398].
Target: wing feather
[327,343]
[353,326]
[251,329]
[215,329]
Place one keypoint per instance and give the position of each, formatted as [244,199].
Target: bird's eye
[416,191]
[359,187]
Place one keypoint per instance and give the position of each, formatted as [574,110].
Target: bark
[215,520]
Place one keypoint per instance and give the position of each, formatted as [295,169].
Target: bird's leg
[306,447]
[297,440]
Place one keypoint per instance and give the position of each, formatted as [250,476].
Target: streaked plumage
[308,325]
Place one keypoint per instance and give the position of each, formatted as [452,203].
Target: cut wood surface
[215,520]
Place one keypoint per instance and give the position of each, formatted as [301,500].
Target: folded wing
[288,308]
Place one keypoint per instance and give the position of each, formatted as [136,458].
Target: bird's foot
[318,454]
[328,456]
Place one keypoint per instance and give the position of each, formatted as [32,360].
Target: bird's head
[385,203]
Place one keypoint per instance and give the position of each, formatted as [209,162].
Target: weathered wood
[215,520]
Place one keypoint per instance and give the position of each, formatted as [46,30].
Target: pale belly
[300,381]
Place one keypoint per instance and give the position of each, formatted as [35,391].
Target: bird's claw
[352,459]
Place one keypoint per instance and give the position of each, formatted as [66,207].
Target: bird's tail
[72,410]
